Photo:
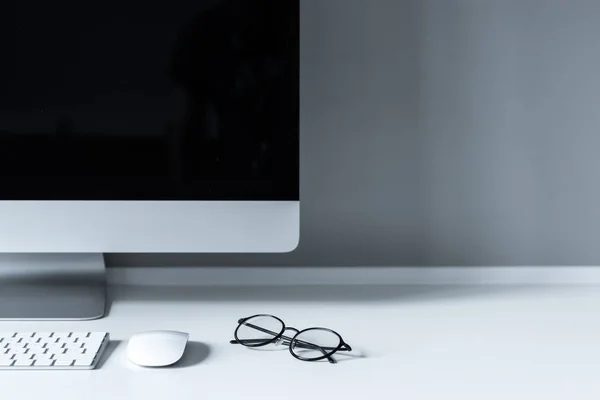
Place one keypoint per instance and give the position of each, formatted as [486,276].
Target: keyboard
[51,350]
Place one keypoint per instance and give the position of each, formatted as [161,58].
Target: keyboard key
[63,363]
[65,355]
[97,336]
[25,335]
[23,362]
[68,361]
[40,352]
[6,363]
[55,349]
[42,335]
[92,347]
[43,362]
[79,335]
[84,361]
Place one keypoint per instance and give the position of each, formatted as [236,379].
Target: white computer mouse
[156,348]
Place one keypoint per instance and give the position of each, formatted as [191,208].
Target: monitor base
[52,286]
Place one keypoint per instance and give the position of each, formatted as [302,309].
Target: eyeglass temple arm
[286,341]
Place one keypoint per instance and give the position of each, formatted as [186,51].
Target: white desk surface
[420,342]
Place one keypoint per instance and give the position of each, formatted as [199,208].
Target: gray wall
[444,132]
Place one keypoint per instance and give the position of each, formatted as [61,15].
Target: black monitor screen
[149,100]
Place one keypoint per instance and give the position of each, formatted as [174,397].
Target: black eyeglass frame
[280,338]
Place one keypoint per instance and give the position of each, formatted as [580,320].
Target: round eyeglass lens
[315,343]
[258,331]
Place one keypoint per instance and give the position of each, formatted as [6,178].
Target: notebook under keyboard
[51,350]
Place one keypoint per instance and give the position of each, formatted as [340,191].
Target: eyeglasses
[312,344]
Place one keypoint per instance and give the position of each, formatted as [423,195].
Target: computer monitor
[133,126]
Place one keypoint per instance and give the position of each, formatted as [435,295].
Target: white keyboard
[51,350]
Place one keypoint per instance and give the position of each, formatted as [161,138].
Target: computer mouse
[156,348]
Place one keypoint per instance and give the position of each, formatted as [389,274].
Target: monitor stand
[52,286]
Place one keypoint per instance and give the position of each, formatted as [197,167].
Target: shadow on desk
[195,353]
[110,349]
[312,294]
